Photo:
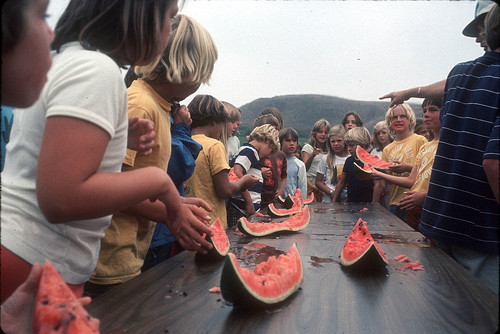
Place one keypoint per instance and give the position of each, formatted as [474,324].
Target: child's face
[25,67]
[232,127]
[431,117]
[352,149]
[337,144]
[383,137]
[265,149]
[321,135]
[288,146]
[350,123]
[399,120]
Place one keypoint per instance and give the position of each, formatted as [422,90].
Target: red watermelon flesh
[57,310]
[361,252]
[297,222]
[372,160]
[232,176]
[297,205]
[271,282]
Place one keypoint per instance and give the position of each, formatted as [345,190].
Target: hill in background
[302,111]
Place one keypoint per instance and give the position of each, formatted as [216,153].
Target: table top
[174,296]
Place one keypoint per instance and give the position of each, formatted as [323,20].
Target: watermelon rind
[240,294]
[369,259]
[303,216]
[286,202]
[309,199]
[362,173]
[372,160]
[218,252]
[273,211]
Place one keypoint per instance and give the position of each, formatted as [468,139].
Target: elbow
[56,211]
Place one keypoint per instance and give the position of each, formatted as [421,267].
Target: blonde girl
[312,153]
[228,137]
[330,166]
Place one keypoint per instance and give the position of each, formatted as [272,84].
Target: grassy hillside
[302,111]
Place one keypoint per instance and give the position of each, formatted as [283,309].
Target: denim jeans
[483,266]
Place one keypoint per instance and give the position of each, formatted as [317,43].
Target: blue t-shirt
[358,190]
[460,207]
[7,120]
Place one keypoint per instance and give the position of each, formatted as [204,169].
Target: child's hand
[266,172]
[316,151]
[141,135]
[412,200]
[17,310]
[197,202]
[250,209]
[185,224]
[182,115]
[400,167]
[248,181]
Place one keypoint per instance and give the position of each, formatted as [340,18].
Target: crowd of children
[110,149]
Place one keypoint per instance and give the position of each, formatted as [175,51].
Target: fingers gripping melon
[297,222]
[232,176]
[372,160]
[270,283]
[57,310]
[361,252]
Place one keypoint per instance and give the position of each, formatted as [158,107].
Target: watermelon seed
[45,302]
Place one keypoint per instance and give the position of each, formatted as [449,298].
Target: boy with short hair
[262,142]
[296,169]
[403,150]
[359,191]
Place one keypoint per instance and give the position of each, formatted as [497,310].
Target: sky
[358,50]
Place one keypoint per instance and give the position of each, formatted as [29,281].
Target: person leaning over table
[435,90]
[162,84]
[77,133]
[461,210]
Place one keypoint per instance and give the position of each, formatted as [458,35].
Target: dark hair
[359,122]
[434,102]
[205,110]
[266,119]
[288,132]
[276,113]
[14,24]
[126,30]
[492,27]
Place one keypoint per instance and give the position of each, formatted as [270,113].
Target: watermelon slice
[361,253]
[273,211]
[372,160]
[232,176]
[363,173]
[297,222]
[57,310]
[309,199]
[220,242]
[270,283]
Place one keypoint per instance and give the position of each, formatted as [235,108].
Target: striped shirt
[460,207]
[248,158]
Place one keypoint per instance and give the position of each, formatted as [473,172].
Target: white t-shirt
[327,173]
[311,172]
[82,84]
[233,144]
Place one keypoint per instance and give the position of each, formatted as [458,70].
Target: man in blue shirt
[461,210]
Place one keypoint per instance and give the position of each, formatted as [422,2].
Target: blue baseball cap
[482,8]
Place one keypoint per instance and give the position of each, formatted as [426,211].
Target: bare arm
[250,209]
[320,184]
[491,169]
[377,184]
[225,189]
[402,181]
[70,187]
[435,91]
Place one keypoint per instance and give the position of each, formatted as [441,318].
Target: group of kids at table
[106,181]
